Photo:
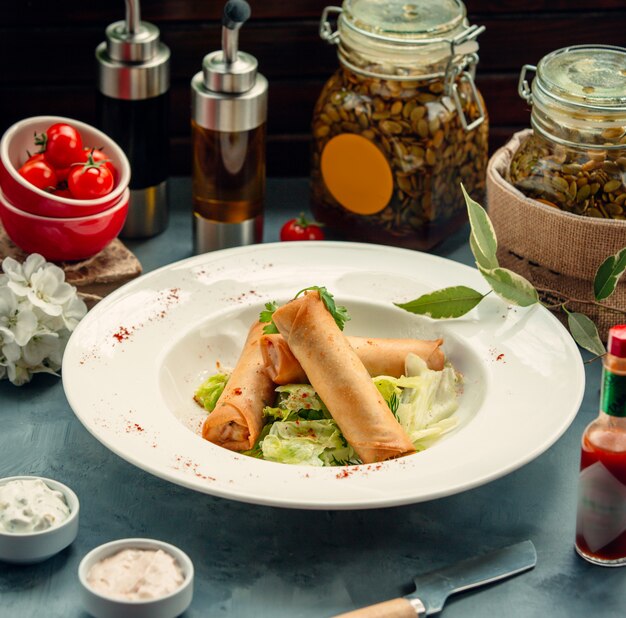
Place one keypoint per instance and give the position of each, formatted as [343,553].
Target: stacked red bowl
[58,227]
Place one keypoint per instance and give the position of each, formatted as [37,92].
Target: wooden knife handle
[396,608]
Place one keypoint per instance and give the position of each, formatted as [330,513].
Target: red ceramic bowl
[63,239]
[19,138]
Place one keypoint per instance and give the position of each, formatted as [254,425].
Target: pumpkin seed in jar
[591,165]
[583,193]
[422,128]
[417,113]
[571,168]
[613,133]
[611,167]
[321,130]
[427,155]
[560,183]
[390,127]
[396,108]
[612,185]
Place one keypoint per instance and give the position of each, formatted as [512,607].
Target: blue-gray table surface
[269,562]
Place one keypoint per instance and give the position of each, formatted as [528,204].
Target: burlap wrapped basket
[555,250]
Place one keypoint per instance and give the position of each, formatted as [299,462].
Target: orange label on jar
[357,174]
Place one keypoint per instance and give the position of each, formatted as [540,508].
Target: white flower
[48,323]
[38,311]
[18,374]
[11,353]
[42,283]
[17,321]
[19,274]
[74,310]
[41,347]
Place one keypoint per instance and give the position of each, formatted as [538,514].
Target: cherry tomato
[301,229]
[38,156]
[90,180]
[63,193]
[63,145]
[98,156]
[39,173]
[64,172]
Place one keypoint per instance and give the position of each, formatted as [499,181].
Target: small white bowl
[32,547]
[102,606]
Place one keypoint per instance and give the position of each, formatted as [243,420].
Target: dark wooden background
[47,58]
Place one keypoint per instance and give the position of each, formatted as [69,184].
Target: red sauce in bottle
[601,520]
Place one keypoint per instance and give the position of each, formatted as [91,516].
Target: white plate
[133,363]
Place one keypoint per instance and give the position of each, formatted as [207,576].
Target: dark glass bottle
[133,108]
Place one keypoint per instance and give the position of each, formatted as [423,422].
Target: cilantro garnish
[339,312]
[266,316]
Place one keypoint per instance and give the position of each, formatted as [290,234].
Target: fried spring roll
[340,379]
[237,419]
[380,356]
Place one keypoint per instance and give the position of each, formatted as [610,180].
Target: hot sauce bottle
[601,519]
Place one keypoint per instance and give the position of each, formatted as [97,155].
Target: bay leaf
[510,286]
[483,239]
[452,302]
[608,274]
[585,333]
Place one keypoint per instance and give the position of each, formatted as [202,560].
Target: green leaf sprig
[454,302]
[339,312]
[394,403]
[266,316]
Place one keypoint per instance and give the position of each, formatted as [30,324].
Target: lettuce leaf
[313,443]
[300,430]
[297,401]
[299,397]
[427,405]
[210,391]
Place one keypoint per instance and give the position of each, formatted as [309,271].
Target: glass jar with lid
[400,125]
[575,158]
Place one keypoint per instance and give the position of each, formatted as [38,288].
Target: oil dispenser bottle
[228,118]
[133,108]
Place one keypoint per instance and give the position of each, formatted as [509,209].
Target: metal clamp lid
[460,67]
[523,87]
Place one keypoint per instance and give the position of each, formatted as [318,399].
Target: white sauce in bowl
[30,506]
[136,574]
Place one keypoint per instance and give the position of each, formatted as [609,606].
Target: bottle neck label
[614,394]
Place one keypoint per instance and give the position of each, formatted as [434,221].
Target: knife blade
[432,589]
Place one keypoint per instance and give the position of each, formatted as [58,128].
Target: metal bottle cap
[229,94]
[133,63]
